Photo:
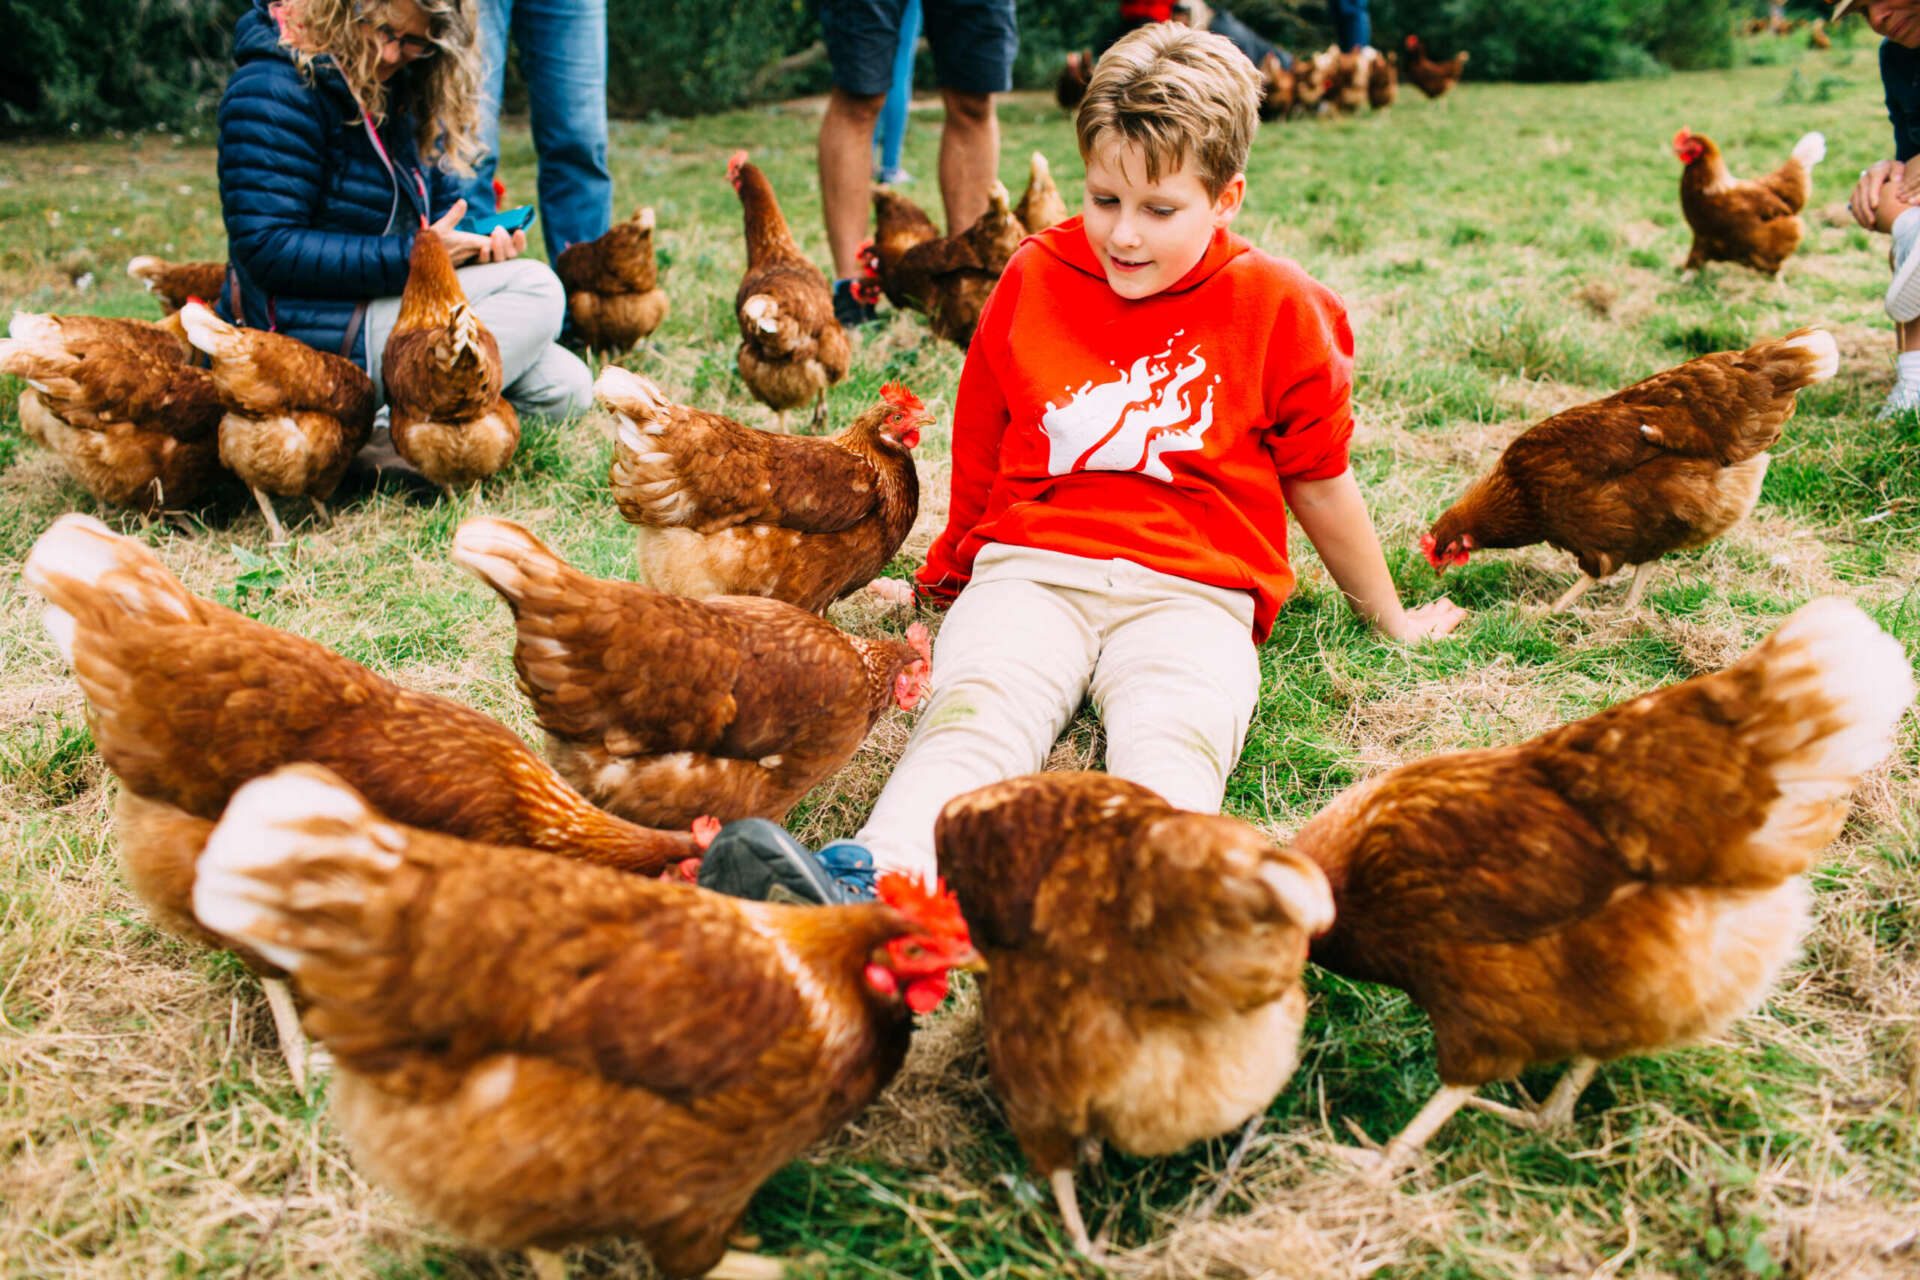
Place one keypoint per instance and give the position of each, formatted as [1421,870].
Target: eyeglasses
[412,47]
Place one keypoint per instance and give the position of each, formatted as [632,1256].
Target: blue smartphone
[512,219]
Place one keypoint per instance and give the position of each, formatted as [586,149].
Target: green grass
[1504,257]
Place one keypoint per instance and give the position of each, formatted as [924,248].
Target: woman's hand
[464,246]
[1865,203]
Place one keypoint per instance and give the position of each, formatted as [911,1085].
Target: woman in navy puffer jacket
[322,206]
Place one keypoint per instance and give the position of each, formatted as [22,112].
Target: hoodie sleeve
[1310,381]
[979,423]
[274,166]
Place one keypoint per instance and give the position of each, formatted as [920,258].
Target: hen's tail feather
[504,555]
[147,269]
[1302,889]
[294,868]
[1821,353]
[209,333]
[631,398]
[1811,149]
[85,571]
[1835,685]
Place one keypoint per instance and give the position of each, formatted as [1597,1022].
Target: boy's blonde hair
[1181,94]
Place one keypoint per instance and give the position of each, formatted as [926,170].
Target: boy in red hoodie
[1144,398]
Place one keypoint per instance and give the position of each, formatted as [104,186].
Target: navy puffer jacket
[317,225]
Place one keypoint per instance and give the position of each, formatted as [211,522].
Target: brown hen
[614,296]
[950,278]
[1040,204]
[1435,79]
[791,347]
[442,371]
[175,284]
[294,417]
[723,509]
[1616,886]
[1756,224]
[117,402]
[533,1052]
[1143,964]
[898,225]
[1671,462]
[188,700]
[664,709]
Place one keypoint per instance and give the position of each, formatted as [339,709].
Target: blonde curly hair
[442,92]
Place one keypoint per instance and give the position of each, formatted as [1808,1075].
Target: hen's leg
[780,420]
[546,1265]
[320,513]
[1062,1180]
[286,1027]
[279,534]
[1573,593]
[747,1266]
[1381,1165]
[1557,1111]
[819,410]
[1639,587]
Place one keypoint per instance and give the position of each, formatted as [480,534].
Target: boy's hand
[1430,620]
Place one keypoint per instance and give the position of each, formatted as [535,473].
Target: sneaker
[848,308]
[758,859]
[1903,295]
[1904,398]
[894,177]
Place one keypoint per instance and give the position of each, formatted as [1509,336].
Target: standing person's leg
[493,21]
[563,55]
[893,117]
[861,36]
[1352,23]
[974,42]
[1901,221]
[1176,685]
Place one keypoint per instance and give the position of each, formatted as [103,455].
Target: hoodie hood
[1067,241]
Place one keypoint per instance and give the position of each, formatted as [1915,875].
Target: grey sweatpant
[522,304]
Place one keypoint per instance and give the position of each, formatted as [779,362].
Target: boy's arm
[1334,517]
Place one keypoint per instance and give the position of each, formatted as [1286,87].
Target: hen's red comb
[201,301]
[936,911]
[735,163]
[1682,136]
[900,398]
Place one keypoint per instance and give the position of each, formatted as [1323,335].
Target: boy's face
[1147,235]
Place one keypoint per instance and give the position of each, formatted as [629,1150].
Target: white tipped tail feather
[208,332]
[288,867]
[1836,685]
[1820,345]
[491,550]
[73,561]
[1811,149]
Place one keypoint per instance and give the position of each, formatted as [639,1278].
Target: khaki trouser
[1169,663]
[522,303]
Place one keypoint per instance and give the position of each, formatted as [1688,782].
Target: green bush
[113,64]
[1564,39]
[686,57]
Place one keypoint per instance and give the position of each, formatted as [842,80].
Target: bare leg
[846,175]
[320,513]
[819,411]
[1573,593]
[969,156]
[547,1265]
[747,1266]
[1639,587]
[1062,1180]
[279,534]
[780,420]
[286,1026]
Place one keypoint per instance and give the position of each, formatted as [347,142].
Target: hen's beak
[973,962]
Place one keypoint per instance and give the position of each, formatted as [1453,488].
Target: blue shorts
[973,43]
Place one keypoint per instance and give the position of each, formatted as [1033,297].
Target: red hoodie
[1155,430]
